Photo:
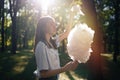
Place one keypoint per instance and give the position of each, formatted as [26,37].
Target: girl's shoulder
[41,44]
[40,47]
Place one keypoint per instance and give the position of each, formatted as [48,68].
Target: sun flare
[45,4]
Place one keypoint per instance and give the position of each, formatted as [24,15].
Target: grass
[20,66]
[111,69]
[17,67]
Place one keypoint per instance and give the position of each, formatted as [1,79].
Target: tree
[14,5]
[117,28]
[2,23]
[13,13]
[88,7]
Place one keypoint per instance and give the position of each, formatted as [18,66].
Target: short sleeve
[40,56]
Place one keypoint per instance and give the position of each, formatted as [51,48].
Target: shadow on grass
[112,69]
[70,76]
[19,66]
[81,72]
[27,74]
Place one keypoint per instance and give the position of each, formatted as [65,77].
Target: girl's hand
[64,34]
[72,65]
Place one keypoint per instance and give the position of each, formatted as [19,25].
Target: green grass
[111,70]
[20,66]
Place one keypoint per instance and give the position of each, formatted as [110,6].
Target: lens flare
[44,4]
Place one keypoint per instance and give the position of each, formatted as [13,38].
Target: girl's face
[51,27]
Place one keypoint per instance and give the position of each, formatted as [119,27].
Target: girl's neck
[48,37]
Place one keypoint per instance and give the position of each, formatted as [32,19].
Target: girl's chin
[52,34]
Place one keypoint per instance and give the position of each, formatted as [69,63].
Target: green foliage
[106,15]
[28,15]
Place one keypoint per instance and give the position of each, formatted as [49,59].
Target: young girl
[46,54]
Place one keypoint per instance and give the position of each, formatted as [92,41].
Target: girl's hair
[41,31]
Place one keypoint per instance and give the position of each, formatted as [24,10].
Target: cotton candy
[79,42]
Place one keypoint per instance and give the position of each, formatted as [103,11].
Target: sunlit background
[18,21]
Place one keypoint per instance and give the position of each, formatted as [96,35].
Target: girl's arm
[69,66]
[64,34]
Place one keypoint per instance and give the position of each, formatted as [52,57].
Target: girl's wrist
[63,69]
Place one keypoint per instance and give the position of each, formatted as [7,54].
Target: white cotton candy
[79,43]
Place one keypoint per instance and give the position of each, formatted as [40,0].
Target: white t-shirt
[46,58]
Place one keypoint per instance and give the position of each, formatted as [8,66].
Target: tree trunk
[25,39]
[2,24]
[14,36]
[94,64]
[117,25]
[13,12]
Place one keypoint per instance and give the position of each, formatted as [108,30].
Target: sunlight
[45,4]
[70,75]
